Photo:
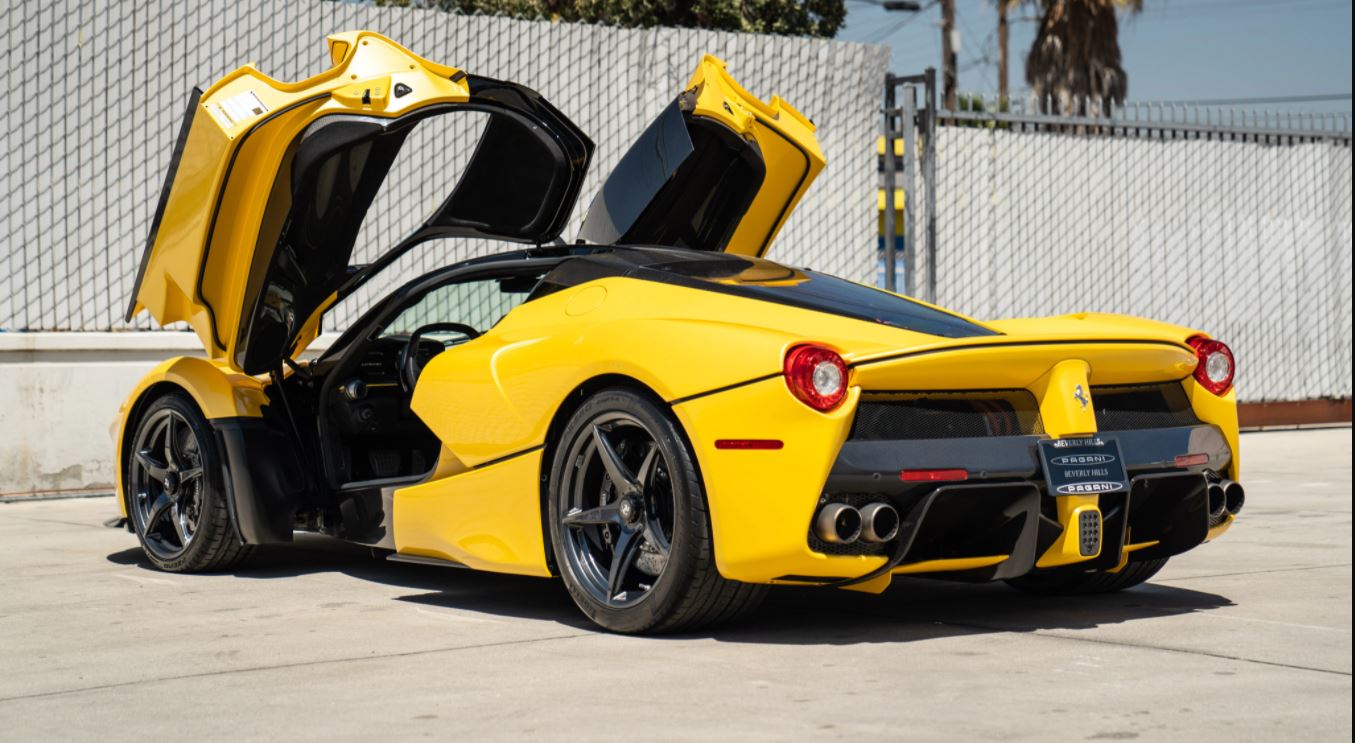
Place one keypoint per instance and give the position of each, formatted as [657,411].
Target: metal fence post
[887,130]
[929,182]
[908,119]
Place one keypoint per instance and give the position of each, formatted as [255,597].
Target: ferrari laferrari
[651,411]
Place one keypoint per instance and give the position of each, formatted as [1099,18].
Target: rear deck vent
[946,415]
[1136,407]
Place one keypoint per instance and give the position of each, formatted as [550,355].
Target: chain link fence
[99,89]
[1233,222]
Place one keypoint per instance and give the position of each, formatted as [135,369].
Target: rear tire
[629,525]
[175,491]
[1074,584]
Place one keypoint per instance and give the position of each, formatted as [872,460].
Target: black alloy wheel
[629,526]
[619,517]
[175,498]
[166,484]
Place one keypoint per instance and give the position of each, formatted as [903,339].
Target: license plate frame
[1090,465]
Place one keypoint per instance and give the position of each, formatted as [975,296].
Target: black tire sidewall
[688,514]
[210,520]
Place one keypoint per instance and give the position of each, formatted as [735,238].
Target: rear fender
[762,500]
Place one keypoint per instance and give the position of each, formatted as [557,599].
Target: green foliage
[789,17]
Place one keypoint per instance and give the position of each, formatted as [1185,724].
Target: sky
[1174,50]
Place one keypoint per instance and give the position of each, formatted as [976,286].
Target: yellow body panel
[947,566]
[199,266]
[1066,550]
[761,502]
[495,396]
[487,518]
[1064,394]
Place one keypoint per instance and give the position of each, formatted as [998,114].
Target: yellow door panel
[239,138]
[487,518]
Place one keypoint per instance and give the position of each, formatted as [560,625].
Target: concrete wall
[59,394]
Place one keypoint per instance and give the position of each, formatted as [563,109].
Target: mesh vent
[946,415]
[1133,407]
[1089,532]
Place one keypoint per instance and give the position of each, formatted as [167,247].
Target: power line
[892,29]
[1314,98]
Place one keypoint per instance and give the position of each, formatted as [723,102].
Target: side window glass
[479,304]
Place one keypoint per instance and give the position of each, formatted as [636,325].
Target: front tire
[1101,581]
[176,497]
[628,522]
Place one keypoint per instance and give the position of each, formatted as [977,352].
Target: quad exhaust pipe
[879,523]
[1225,497]
[839,523]
[1233,496]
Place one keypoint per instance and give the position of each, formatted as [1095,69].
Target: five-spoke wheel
[619,517]
[629,529]
[166,483]
[174,492]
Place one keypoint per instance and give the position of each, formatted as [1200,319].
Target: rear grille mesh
[946,415]
[1135,407]
[968,414]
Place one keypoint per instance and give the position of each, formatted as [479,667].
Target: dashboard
[380,435]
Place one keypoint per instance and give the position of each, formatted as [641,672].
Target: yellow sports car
[654,412]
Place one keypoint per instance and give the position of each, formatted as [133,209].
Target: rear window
[772,282]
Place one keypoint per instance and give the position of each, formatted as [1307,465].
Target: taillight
[1215,369]
[817,376]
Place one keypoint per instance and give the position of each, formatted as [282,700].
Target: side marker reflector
[747,444]
[1190,460]
[934,475]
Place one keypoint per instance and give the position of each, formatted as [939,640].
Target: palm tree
[1074,65]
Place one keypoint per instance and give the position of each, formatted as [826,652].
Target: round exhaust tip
[838,523]
[1218,501]
[1233,497]
[879,523]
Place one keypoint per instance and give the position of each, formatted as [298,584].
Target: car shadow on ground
[911,610]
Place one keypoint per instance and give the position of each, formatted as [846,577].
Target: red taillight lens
[1215,369]
[749,444]
[817,376]
[948,475]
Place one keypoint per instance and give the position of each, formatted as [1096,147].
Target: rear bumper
[874,466]
[1005,511]
[998,524]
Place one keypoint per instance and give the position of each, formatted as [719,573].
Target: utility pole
[948,74]
[1002,53]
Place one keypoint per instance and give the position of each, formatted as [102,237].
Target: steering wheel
[410,367]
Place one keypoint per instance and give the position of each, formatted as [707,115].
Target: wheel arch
[216,392]
[564,411]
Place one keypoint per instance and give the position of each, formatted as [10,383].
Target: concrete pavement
[1248,638]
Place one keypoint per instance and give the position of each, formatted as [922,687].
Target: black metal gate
[915,126]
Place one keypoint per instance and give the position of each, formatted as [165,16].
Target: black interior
[366,429]
[377,436]
[520,184]
[336,170]
[685,183]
